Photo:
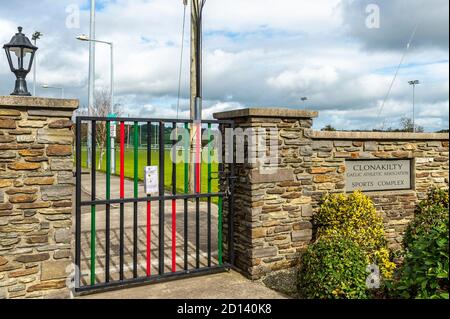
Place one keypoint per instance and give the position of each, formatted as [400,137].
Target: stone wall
[36,187]
[273,213]
[429,153]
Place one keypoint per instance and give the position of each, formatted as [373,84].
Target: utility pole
[91,85]
[36,36]
[196,85]
[196,58]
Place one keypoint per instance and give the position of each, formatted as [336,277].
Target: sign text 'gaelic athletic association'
[378,175]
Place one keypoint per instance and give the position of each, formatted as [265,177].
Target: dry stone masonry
[429,155]
[273,213]
[36,188]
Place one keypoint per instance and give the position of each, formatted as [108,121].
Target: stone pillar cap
[38,102]
[266,112]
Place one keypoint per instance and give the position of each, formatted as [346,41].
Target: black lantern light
[20,53]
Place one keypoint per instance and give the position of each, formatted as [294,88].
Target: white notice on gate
[113,130]
[151,180]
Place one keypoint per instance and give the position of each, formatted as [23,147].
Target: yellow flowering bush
[354,217]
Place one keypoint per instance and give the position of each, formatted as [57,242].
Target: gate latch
[228,189]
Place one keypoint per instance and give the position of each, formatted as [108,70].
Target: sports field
[142,162]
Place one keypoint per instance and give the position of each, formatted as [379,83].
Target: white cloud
[256,53]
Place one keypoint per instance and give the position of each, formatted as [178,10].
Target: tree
[102,109]
[329,128]
[102,106]
[407,125]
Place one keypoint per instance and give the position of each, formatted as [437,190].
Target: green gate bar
[209,158]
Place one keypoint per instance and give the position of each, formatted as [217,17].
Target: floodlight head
[415,82]
[83,37]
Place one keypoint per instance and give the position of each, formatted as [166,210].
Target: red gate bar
[122,196]
[174,235]
[122,160]
[197,157]
[136,195]
[149,237]
[198,143]
[149,205]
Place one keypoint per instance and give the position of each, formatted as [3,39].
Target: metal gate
[125,237]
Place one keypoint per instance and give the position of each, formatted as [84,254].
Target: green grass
[142,162]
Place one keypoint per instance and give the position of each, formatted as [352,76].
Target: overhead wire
[181,58]
[396,75]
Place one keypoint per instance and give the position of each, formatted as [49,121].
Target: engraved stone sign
[378,175]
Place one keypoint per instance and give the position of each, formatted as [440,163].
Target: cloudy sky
[257,53]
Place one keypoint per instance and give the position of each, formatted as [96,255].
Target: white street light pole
[46,86]
[414,83]
[86,38]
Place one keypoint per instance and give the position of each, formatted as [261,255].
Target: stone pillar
[36,187]
[273,211]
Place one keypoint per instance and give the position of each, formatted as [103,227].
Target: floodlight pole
[413,84]
[196,59]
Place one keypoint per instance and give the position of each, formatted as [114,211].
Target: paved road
[142,232]
[229,285]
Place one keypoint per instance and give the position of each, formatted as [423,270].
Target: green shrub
[354,217]
[425,270]
[429,211]
[333,268]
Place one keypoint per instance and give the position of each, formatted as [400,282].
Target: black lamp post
[24,51]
